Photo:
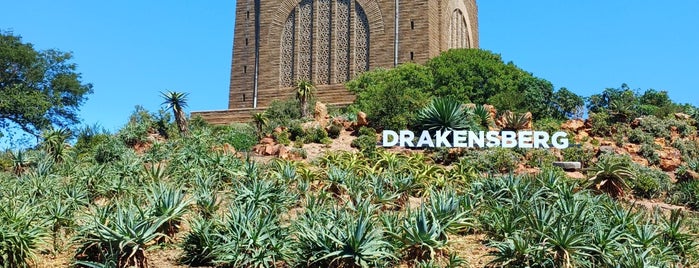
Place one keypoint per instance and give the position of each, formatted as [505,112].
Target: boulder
[320,114]
[576,175]
[632,148]
[568,165]
[670,159]
[267,140]
[606,149]
[682,116]
[640,160]
[574,125]
[361,120]
[668,165]
[491,109]
[272,149]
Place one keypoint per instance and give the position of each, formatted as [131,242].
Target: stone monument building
[328,42]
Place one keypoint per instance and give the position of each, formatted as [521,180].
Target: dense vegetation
[165,181]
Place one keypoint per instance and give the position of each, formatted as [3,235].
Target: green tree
[621,103]
[568,103]
[38,89]
[480,76]
[177,101]
[391,97]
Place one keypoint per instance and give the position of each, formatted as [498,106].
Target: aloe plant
[444,114]
[121,238]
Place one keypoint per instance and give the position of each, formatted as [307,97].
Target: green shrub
[661,128]
[315,135]
[550,125]
[300,152]
[686,194]
[583,155]
[498,160]
[648,152]
[295,130]
[109,150]
[688,148]
[367,131]
[282,137]
[539,158]
[649,182]
[283,111]
[637,136]
[334,131]
[600,124]
[366,144]
[241,136]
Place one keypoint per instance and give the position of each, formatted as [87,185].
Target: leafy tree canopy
[625,104]
[38,89]
[480,76]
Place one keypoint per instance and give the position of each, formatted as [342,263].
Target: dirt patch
[471,248]
[342,143]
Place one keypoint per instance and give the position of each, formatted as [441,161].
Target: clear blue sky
[131,50]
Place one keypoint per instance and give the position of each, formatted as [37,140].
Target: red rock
[632,148]
[669,164]
[273,149]
[361,119]
[320,114]
[267,140]
[574,125]
[682,116]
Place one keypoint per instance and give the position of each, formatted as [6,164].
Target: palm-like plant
[610,177]
[444,114]
[304,92]
[260,120]
[54,143]
[177,101]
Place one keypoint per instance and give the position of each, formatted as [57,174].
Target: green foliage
[389,97]
[21,234]
[315,135]
[539,158]
[283,111]
[637,136]
[177,101]
[495,160]
[662,128]
[334,131]
[648,152]
[623,104]
[550,125]
[611,175]
[686,194]
[480,76]
[143,123]
[241,136]
[649,182]
[688,148]
[445,114]
[568,103]
[40,89]
[601,126]
[365,143]
[583,155]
